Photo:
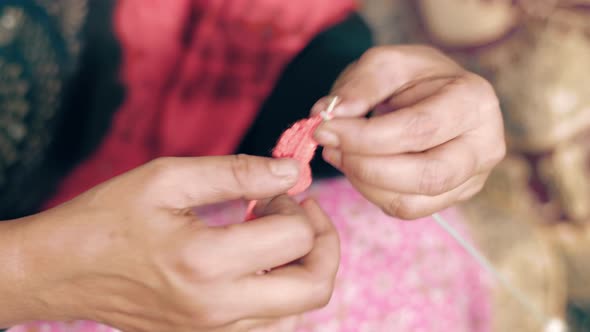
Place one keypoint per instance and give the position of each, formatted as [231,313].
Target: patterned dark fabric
[39,48]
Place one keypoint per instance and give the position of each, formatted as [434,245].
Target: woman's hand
[131,253]
[435,134]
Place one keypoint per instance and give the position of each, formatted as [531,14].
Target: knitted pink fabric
[394,275]
[296,143]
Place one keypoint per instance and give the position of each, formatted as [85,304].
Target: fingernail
[326,138]
[318,107]
[285,168]
[324,104]
[351,108]
[343,107]
[333,156]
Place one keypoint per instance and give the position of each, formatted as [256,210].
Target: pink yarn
[296,143]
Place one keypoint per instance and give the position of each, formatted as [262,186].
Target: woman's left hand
[434,135]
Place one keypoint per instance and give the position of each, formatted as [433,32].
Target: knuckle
[359,169]
[157,173]
[199,265]
[473,190]
[493,155]
[302,234]
[393,207]
[500,152]
[322,293]
[485,87]
[496,156]
[483,93]
[204,269]
[427,54]
[500,147]
[210,319]
[389,53]
[435,178]
[240,167]
[382,56]
[374,55]
[161,167]
[402,208]
[420,129]
[426,49]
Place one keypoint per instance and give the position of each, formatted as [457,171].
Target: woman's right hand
[131,254]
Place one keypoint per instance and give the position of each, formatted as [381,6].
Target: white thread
[555,325]
[549,324]
[327,113]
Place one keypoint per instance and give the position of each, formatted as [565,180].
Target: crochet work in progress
[390,272]
[297,143]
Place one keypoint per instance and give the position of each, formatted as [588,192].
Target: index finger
[324,258]
[281,235]
[452,111]
[304,286]
[382,72]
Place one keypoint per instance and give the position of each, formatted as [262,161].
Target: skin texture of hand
[434,134]
[131,253]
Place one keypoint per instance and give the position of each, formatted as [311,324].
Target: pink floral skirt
[394,275]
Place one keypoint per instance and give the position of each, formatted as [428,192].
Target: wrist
[15,280]
[35,264]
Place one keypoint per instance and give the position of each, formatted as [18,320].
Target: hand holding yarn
[434,135]
[141,260]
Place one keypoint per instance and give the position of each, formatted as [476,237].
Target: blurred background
[532,219]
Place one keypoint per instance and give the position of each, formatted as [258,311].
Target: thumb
[191,182]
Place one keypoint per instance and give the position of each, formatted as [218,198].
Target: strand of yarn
[298,143]
[549,324]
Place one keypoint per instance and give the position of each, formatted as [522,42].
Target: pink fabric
[394,275]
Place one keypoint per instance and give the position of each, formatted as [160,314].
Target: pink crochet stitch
[394,275]
[296,143]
